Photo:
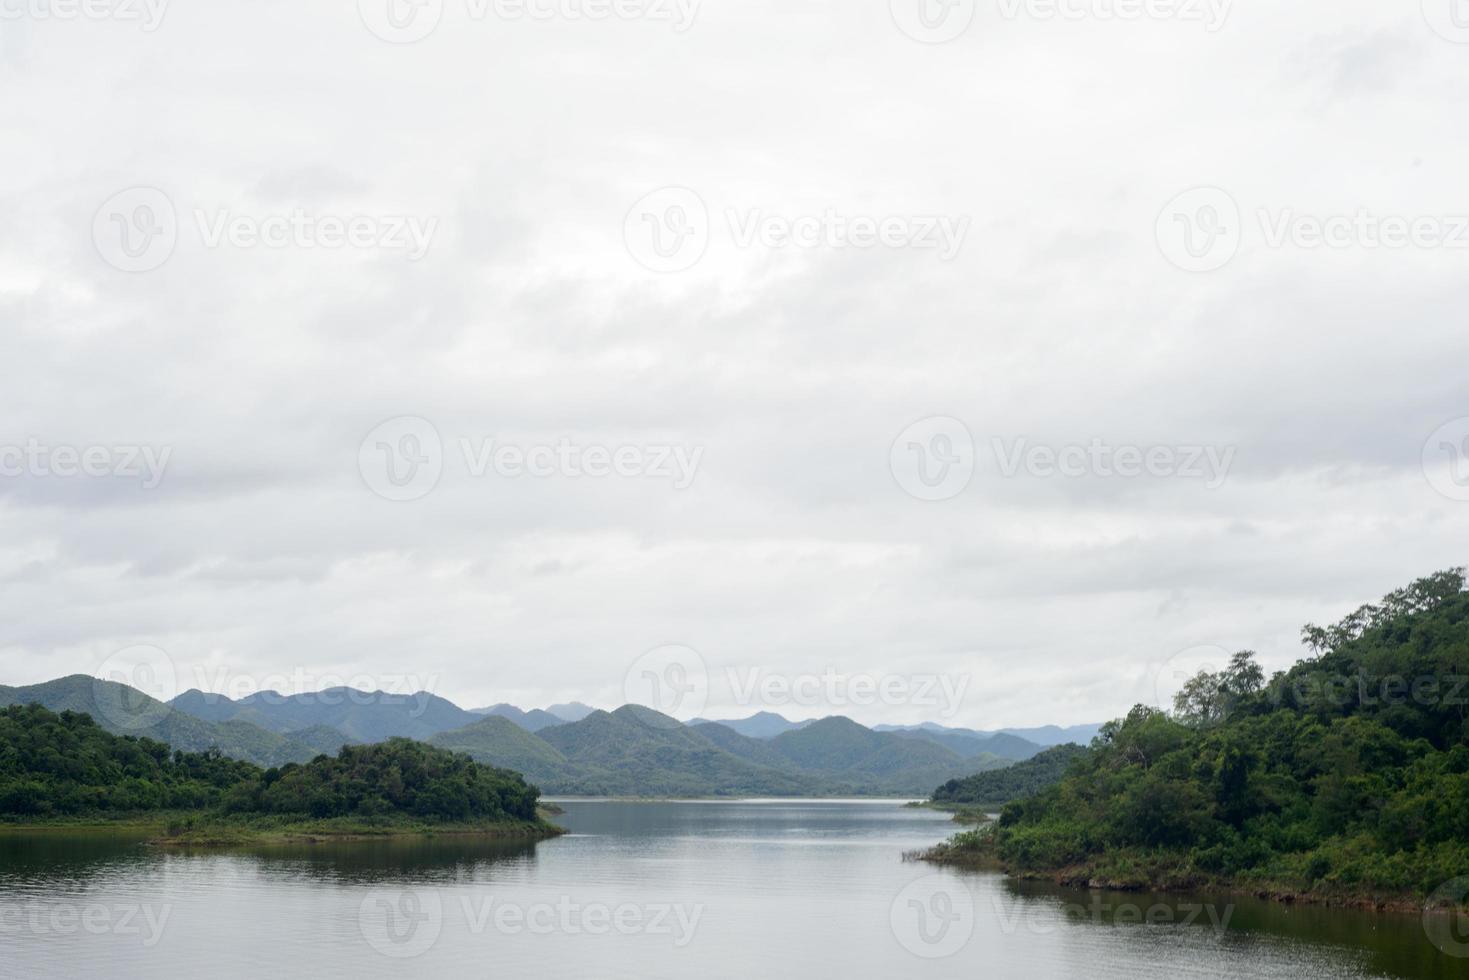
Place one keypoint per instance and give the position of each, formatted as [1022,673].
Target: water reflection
[805,887]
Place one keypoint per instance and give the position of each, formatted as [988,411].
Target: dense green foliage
[1345,776]
[1013,782]
[66,765]
[398,776]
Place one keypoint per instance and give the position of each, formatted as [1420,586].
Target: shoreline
[1081,878]
[175,829]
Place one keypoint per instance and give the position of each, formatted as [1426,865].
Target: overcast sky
[258,258]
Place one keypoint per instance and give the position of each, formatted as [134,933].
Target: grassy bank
[1171,871]
[194,829]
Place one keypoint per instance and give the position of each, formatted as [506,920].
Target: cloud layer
[284,325]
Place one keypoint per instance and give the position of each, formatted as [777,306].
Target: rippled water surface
[773,888]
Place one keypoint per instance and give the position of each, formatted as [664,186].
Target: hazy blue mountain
[122,710]
[575,711]
[867,761]
[765,724]
[968,746]
[361,716]
[1044,737]
[1053,735]
[532,721]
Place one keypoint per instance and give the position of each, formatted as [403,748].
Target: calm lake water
[775,888]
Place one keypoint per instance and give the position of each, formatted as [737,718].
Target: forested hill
[1344,777]
[1015,782]
[66,765]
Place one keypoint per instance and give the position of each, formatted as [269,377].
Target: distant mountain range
[1046,736]
[567,748]
[122,710]
[635,751]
